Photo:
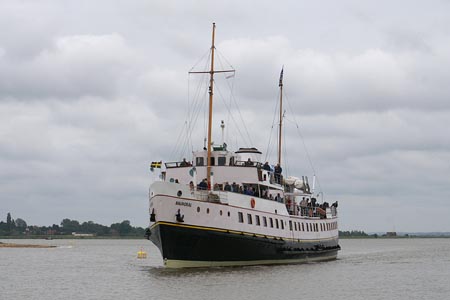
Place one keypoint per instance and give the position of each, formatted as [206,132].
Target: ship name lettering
[182,203]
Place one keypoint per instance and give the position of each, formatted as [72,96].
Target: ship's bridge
[240,166]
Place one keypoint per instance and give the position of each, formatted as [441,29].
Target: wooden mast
[281,116]
[211,90]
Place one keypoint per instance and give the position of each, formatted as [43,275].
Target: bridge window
[276,222]
[221,161]
[199,161]
[265,221]
[271,222]
[257,221]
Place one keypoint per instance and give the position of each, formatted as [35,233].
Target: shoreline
[68,237]
[13,245]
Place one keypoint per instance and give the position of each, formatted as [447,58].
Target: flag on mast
[281,77]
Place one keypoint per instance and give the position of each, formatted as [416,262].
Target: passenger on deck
[227,187]
[266,166]
[270,197]
[191,185]
[249,163]
[234,187]
[184,163]
[265,194]
[250,191]
[202,185]
[278,198]
[303,205]
[277,172]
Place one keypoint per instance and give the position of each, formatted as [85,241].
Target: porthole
[198,208]
[179,193]
[207,210]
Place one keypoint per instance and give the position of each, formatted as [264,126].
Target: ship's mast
[211,90]
[211,94]
[281,116]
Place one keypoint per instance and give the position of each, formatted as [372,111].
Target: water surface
[109,269]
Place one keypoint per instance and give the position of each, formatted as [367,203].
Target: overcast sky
[92,91]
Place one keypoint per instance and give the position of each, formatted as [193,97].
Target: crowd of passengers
[307,206]
[237,188]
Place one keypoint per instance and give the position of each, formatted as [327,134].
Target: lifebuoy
[252,202]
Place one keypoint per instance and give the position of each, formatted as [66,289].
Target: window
[276,222]
[307,227]
[271,222]
[221,161]
[207,210]
[282,224]
[241,217]
[228,213]
[213,160]
[295,226]
[220,212]
[199,161]
[265,221]
[249,219]
[290,225]
[257,222]
[198,208]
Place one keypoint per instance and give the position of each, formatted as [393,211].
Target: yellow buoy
[141,254]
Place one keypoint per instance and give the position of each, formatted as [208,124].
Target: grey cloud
[89,94]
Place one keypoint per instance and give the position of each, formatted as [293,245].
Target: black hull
[195,246]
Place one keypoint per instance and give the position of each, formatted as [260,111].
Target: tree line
[19,227]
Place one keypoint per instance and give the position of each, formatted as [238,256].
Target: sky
[92,91]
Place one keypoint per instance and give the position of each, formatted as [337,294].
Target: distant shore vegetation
[19,228]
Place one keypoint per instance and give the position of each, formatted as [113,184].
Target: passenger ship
[243,213]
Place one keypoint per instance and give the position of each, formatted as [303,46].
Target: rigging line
[286,160]
[174,150]
[184,146]
[273,123]
[237,125]
[242,120]
[199,107]
[304,146]
[221,55]
[191,115]
[240,115]
[229,111]
[207,53]
[197,101]
[199,104]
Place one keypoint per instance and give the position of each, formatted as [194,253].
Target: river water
[109,269]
